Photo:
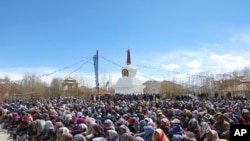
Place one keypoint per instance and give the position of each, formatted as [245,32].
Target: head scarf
[67,137]
[189,136]
[112,135]
[83,127]
[108,125]
[79,137]
[120,121]
[90,122]
[151,124]
[195,114]
[99,120]
[124,128]
[80,120]
[138,139]
[162,135]
[177,138]
[40,125]
[97,128]
[176,129]
[204,128]
[125,136]
[58,125]
[49,127]
[148,132]
[193,124]
[166,122]
[215,136]
[61,131]
[79,114]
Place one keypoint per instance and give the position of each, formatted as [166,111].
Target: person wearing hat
[210,120]
[228,118]
[189,136]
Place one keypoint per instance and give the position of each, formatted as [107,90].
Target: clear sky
[164,36]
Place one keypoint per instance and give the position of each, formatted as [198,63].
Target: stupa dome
[129,84]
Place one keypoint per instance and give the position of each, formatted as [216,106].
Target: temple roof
[69,80]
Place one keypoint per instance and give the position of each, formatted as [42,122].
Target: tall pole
[95,58]
[32,86]
[128,57]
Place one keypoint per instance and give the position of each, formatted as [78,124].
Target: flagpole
[95,59]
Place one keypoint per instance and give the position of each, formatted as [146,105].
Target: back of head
[212,135]
[67,137]
[79,137]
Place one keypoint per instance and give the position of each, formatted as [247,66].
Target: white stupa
[129,84]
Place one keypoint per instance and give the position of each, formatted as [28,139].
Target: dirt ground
[5,137]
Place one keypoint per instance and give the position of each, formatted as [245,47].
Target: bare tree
[56,87]
[5,87]
[32,86]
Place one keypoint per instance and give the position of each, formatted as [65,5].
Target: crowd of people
[147,117]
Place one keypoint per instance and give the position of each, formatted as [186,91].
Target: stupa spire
[128,57]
